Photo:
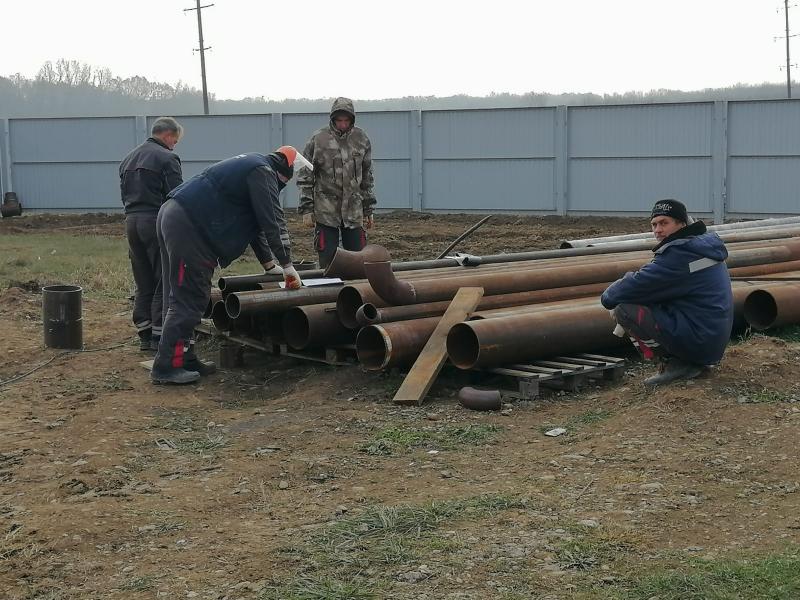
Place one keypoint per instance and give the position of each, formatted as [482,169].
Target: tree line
[72,88]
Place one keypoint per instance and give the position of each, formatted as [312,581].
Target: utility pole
[788,60]
[202,49]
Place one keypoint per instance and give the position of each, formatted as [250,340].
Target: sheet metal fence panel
[623,158]
[738,158]
[763,158]
[69,164]
[500,159]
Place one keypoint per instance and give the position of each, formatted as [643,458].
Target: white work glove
[274,269]
[291,278]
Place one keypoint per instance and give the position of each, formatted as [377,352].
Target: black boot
[154,342]
[193,363]
[673,369]
[172,376]
[145,340]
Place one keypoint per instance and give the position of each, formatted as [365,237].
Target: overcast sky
[371,49]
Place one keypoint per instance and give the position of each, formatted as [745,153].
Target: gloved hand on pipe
[291,278]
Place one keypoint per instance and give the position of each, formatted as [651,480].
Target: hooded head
[341,112]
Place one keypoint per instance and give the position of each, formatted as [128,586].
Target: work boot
[193,363]
[146,340]
[673,369]
[173,376]
[154,340]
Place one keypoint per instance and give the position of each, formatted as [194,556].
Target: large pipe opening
[760,309]
[220,316]
[348,302]
[373,347]
[233,306]
[463,346]
[367,314]
[296,329]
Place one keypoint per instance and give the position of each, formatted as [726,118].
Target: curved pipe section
[474,399]
[387,286]
[347,264]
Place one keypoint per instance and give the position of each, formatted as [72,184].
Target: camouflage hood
[343,105]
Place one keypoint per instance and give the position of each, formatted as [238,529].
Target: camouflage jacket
[339,192]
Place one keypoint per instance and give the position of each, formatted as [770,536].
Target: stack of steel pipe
[536,303]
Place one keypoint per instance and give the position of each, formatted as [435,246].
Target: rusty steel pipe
[397,292]
[369,314]
[216,296]
[348,264]
[245,303]
[220,317]
[773,306]
[243,283]
[315,325]
[398,344]
[528,336]
[581,243]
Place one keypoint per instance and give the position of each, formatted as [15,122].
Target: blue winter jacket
[688,290]
[232,202]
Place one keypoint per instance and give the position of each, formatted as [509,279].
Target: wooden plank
[430,361]
[538,369]
[612,359]
[518,373]
[583,361]
[560,365]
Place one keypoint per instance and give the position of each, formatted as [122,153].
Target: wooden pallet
[560,372]
[344,354]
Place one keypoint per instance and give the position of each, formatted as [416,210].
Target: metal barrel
[62,316]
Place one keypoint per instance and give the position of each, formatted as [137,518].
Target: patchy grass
[393,439]
[748,394]
[358,555]
[201,445]
[138,584]
[790,333]
[590,417]
[775,577]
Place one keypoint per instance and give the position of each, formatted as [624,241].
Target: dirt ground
[287,479]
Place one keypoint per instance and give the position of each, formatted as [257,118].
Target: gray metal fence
[724,159]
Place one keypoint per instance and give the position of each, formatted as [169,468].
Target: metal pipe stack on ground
[535,304]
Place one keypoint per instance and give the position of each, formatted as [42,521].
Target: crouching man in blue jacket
[679,307]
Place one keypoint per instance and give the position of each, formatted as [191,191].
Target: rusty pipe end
[760,309]
[474,399]
[387,286]
[373,347]
[347,264]
[367,314]
[348,302]
[296,328]
[233,306]
[219,315]
[463,347]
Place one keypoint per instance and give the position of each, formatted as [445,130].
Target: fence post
[5,159]
[141,130]
[415,140]
[561,160]
[719,161]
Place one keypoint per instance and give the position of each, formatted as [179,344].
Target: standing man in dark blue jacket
[679,307]
[209,221]
[146,176]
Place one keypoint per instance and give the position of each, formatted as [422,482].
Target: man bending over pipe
[677,309]
[210,220]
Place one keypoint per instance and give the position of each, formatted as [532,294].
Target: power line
[202,50]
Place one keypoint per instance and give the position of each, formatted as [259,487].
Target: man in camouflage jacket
[337,198]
